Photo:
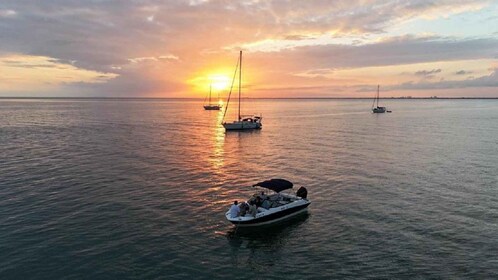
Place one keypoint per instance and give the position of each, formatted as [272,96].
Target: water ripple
[138,189]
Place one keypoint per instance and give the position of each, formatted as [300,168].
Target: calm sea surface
[120,189]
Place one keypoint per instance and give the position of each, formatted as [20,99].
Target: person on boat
[243,209]
[253,209]
[257,201]
[263,196]
[234,209]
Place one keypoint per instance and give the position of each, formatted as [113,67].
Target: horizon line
[277,98]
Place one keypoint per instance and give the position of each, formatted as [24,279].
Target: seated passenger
[243,209]
[234,210]
[253,209]
[263,196]
[258,201]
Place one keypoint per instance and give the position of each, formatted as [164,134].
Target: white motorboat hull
[271,215]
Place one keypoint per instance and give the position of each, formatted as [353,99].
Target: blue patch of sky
[471,24]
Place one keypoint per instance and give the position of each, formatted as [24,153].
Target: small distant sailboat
[378,109]
[247,122]
[210,106]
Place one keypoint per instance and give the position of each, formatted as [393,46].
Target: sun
[219,81]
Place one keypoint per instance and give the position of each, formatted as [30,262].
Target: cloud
[427,72]
[405,50]
[23,73]
[463,72]
[297,37]
[161,44]
[113,33]
[153,58]
[7,13]
[490,80]
[365,79]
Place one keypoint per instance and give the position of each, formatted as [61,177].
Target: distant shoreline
[256,98]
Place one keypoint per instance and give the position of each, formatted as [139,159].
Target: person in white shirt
[234,210]
[253,209]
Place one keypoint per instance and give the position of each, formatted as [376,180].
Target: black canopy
[276,185]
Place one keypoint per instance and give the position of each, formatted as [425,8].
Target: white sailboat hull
[212,107]
[379,110]
[242,125]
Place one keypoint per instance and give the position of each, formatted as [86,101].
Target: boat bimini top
[276,185]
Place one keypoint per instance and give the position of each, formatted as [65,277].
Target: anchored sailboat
[378,109]
[246,122]
[210,106]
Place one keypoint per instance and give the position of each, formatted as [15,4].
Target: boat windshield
[270,201]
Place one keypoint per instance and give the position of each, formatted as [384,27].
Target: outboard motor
[302,192]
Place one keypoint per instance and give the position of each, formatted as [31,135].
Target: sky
[313,48]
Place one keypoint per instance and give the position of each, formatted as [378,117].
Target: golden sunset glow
[219,81]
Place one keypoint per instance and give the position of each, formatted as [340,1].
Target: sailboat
[378,109]
[246,122]
[210,106]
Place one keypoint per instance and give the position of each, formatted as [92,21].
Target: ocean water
[127,189]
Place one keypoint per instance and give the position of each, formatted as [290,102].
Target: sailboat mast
[210,86]
[240,78]
[378,86]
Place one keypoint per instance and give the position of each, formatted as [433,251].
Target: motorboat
[243,122]
[271,208]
